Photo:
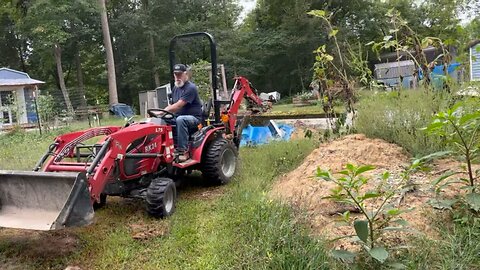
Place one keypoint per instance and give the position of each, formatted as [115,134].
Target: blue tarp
[439,76]
[438,70]
[262,135]
[122,110]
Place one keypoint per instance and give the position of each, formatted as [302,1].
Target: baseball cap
[179,68]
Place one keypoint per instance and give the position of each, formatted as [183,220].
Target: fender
[198,151]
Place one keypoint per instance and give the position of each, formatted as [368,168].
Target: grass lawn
[290,109]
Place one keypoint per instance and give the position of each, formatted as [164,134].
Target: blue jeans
[185,125]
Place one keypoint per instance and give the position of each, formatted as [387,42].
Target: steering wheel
[166,114]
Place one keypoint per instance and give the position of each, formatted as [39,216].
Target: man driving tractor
[187,107]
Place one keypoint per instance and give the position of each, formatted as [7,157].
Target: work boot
[182,156]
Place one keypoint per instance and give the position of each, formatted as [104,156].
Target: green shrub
[460,126]
[377,218]
[397,117]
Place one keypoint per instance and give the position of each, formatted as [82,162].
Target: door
[162,97]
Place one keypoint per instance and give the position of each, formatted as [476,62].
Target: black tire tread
[211,169]
[155,194]
[101,204]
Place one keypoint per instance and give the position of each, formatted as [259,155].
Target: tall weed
[397,117]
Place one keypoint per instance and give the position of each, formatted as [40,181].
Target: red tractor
[75,175]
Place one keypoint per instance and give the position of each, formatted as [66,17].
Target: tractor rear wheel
[161,197]
[220,162]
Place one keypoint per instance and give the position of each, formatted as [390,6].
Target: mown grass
[290,108]
[240,229]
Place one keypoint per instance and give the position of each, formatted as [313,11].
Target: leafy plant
[201,71]
[459,127]
[47,109]
[359,64]
[332,72]
[377,207]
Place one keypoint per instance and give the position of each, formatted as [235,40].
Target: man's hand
[159,114]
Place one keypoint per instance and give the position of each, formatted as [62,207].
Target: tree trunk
[156,76]
[151,46]
[112,80]
[58,60]
[81,86]
[300,76]
[22,58]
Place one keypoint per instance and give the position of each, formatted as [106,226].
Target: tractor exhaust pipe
[44,200]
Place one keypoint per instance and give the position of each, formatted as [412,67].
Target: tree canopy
[273,46]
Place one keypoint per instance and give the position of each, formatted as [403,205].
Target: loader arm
[159,151]
[111,152]
[60,192]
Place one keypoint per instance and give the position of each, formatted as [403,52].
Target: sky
[247,5]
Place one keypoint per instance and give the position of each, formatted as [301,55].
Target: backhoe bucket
[44,200]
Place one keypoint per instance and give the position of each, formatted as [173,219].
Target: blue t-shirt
[188,93]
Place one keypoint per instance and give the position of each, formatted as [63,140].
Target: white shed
[475,60]
[16,97]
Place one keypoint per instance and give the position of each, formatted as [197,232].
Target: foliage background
[273,46]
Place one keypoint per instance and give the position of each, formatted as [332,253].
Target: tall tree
[13,45]
[151,41]
[112,79]
[50,31]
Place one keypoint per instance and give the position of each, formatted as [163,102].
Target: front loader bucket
[44,200]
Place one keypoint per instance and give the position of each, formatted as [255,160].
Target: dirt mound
[301,188]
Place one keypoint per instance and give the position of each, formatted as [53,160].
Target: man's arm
[175,107]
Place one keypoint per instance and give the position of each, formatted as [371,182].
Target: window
[7,99]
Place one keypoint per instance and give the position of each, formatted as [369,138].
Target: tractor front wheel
[220,162]
[161,197]
[101,203]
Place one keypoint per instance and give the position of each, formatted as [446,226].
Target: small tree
[459,126]
[377,207]
[201,76]
[46,109]
[328,70]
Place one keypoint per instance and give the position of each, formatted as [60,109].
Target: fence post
[36,109]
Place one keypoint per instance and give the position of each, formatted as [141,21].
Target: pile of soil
[306,192]
[42,245]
